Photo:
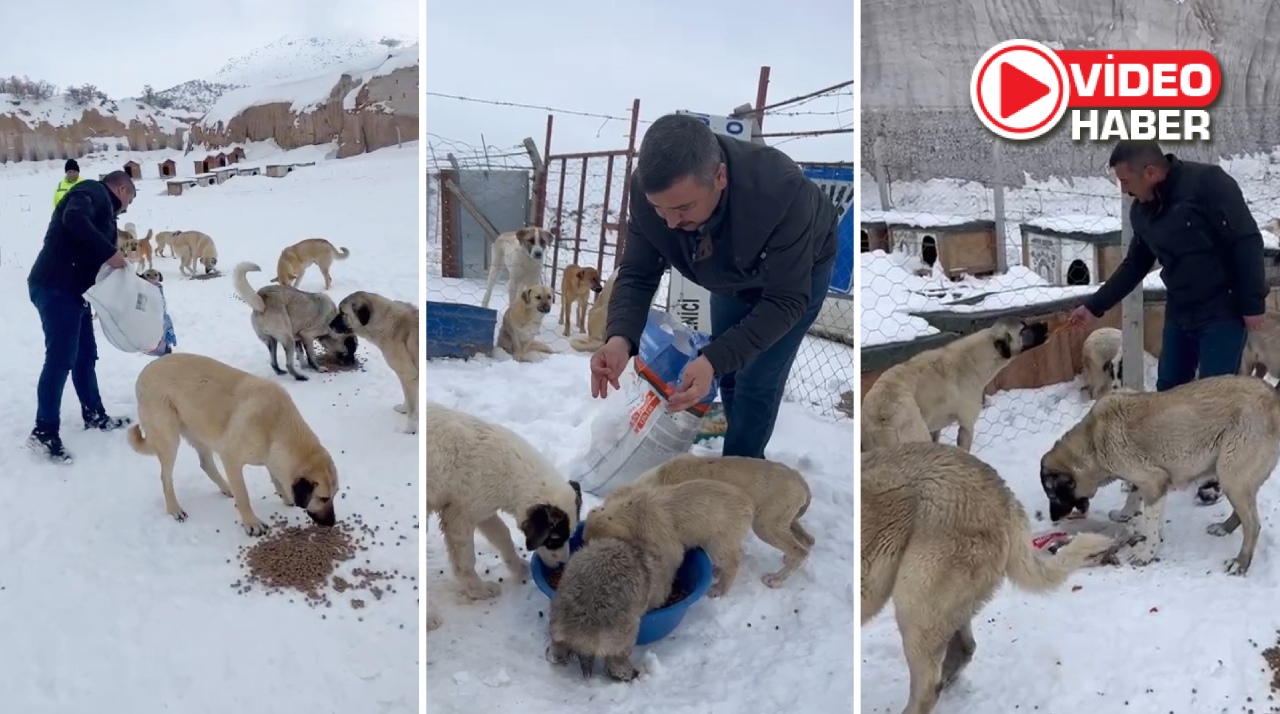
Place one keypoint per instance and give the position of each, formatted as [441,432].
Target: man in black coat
[744,222]
[1193,218]
[80,240]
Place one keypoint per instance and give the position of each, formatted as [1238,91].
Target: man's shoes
[49,445]
[102,422]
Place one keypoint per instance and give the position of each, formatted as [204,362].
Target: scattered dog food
[328,361]
[677,590]
[1272,656]
[303,558]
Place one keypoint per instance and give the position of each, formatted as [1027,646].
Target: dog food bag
[129,309]
[635,433]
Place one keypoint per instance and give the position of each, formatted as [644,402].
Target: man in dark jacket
[744,222]
[80,240]
[1191,217]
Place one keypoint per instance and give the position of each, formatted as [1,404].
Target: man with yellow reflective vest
[72,178]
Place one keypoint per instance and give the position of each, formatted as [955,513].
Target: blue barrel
[458,330]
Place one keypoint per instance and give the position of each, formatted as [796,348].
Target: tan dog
[477,470]
[1101,354]
[295,260]
[711,515]
[779,494]
[393,326]
[1157,441]
[917,399]
[162,241]
[576,287]
[192,247]
[597,320]
[245,420]
[518,335]
[141,252]
[940,533]
[1262,350]
[520,253]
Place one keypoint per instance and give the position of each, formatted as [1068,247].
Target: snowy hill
[284,59]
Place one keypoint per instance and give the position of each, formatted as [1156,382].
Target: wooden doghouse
[168,168]
[1072,250]
[237,155]
[219,160]
[205,179]
[278,170]
[962,247]
[874,235]
[134,169]
[201,166]
[248,171]
[221,175]
[175,187]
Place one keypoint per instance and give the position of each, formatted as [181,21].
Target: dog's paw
[625,673]
[557,655]
[301,377]
[774,580]
[718,590]
[1234,567]
[1120,515]
[519,569]
[178,514]
[401,408]
[255,527]
[1218,529]
[482,590]
[1140,554]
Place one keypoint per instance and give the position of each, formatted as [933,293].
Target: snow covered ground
[1178,635]
[110,605]
[889,287]
[756,650]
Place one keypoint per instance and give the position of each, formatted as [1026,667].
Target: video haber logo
[1021,89]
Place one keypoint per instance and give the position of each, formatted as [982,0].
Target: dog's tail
[341,254]
[139,442]
[1035,573]
[245,290]
[585,343]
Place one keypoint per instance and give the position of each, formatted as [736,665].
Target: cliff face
[26,136]
[915,80]
[358,114]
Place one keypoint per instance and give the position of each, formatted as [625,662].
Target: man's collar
[718,215]
[1170,179]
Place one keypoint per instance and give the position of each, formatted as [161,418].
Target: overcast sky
[671,54]
[121,46]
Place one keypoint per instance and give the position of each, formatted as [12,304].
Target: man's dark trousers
[69,346]
[1216,349]
[751,395]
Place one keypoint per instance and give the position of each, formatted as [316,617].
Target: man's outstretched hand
[695,385]
[607,364]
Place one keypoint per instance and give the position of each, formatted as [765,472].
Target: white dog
[521,253]
[476,470]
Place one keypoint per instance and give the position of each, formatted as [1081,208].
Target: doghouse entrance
[865,245]
[929,250]
[1078,273]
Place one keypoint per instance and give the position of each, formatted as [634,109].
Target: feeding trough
[693,578]
[460,331]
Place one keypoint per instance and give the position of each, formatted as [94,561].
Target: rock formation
[25,136]
[915,77]
[359,114]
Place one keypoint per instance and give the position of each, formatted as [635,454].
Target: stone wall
[25,139]
[385,111]
[915,78]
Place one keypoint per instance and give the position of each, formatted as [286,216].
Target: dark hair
[675,147]
[1137,154]
[118,178]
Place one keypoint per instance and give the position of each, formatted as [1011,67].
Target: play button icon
[1019,89]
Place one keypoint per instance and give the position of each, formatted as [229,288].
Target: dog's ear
[577,498]
[540,524]
[363,313]
[302,490]
[1003,348]
[526,295]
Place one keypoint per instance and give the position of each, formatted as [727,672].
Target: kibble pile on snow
[303,558]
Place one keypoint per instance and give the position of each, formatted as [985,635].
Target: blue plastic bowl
[694,576]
